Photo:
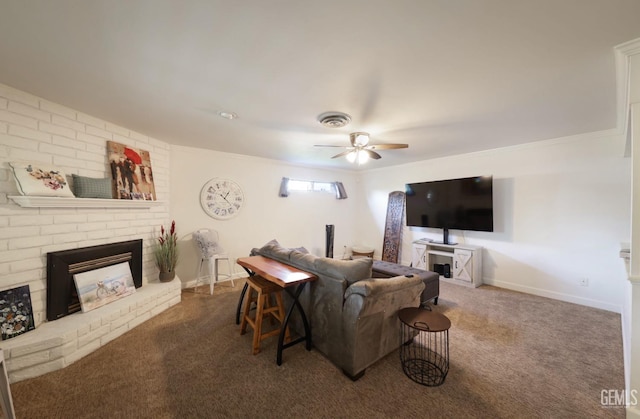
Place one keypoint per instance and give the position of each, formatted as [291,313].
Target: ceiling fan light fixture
[360,151]
[357,156]
[362,157]
[359,139]
[334,119]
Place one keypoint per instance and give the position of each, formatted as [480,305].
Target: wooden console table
[287,277]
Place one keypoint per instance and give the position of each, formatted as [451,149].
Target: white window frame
[297,185]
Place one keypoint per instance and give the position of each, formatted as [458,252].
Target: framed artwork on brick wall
[131,172]
[16,313]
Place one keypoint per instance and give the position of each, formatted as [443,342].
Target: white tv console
[465,261]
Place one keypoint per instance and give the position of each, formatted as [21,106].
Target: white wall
[35,129]
[561,208]
[298,220]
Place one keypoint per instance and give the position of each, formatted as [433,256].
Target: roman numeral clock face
[221,198]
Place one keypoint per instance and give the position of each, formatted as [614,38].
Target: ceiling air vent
[334,119]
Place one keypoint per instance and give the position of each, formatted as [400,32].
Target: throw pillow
[88,187]
[40,179]
[207,243]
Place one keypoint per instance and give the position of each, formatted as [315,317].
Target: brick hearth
[55,345]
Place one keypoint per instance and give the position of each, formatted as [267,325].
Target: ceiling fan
[360,150]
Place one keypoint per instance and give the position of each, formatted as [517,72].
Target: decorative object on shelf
[221,198]
[131,172]
[16,314]
[102,286]
[40,179]
[88,187]
[166,253]
[393,227]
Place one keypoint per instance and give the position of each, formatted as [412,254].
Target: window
[324,187]
[310,185]
[289,185]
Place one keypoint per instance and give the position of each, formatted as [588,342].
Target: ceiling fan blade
[344,153]
[387,146]
[372,153]
[327,145]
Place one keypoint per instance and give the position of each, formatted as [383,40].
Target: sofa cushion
[349,270]
[275,250]
[302,260]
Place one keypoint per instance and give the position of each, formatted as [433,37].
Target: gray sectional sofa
[353,316]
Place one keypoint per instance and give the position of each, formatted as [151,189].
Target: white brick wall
[32,128]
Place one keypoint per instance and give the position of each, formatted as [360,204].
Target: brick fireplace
[62,298]
[56,344]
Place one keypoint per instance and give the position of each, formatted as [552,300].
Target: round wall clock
[221,198]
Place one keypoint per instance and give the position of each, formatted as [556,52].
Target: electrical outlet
[584,282]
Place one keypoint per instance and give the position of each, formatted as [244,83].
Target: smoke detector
[334,119]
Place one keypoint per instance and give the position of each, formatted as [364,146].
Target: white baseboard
[192,282]
[555,295]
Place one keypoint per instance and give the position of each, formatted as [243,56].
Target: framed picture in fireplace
[16,313]
[102,286]
[131,172]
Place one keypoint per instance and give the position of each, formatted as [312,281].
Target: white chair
[208,244]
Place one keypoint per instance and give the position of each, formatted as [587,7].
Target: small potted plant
[166,253]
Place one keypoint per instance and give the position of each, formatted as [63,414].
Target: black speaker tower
[329,248]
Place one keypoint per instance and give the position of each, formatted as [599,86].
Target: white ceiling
[446,77]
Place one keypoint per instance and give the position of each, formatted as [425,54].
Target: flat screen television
[461,204]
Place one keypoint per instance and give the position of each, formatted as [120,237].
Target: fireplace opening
[62,296]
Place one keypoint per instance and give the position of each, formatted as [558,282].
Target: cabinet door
[419,257]
[463,265]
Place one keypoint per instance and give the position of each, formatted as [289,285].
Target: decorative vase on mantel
[167,276]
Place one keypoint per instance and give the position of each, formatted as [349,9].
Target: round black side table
[424,349]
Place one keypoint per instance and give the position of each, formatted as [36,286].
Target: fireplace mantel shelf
[55,202]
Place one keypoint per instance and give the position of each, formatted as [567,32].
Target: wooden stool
[263,290]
